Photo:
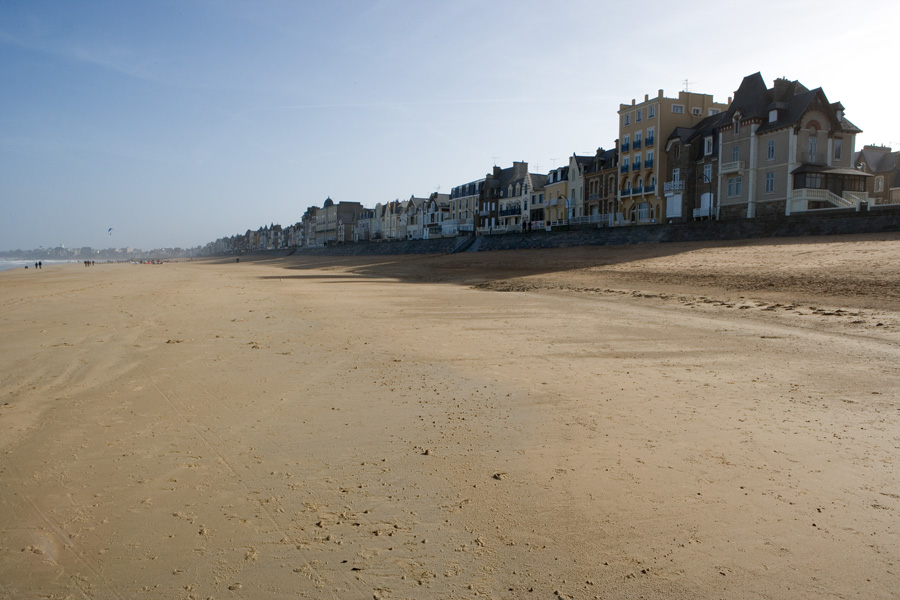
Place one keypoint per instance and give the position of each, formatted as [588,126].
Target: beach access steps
[474,243]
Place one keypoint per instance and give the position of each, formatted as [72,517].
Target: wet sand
[660,421]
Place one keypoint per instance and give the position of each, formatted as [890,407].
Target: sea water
[9,264]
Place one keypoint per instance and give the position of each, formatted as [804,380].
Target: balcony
[553,201]
[625,147]
[648,164]
[624,168]
[510,211]
[636,166]
[649,189]
[636,144]
[626,192]
[673,187]
[593,197]
[732,167]
[648,142]
[637,191]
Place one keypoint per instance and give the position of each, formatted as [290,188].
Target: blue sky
[176,123]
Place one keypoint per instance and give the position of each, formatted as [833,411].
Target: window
[813,147]
[625,163]
[707,145]
[676,174]
[649,158]
[637,161]
[770,150]
[714,111]
[627,119]
[707,173]
[678,109]
[540,198]
[737,126]
[735,153]
[696,111]
[639,116]
[651,133]
[677,150]
[773,115]
[734,186]
[838,147]
[637,139]
[651,111]
[770,182]
[879,184]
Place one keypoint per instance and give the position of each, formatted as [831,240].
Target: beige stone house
[884,166]
[783,150]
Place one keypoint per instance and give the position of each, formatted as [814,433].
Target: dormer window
[707,145]
[737,126]
[773,115]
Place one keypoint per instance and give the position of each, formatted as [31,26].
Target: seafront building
[641,164]
[884,166]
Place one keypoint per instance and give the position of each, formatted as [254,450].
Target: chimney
[780,88]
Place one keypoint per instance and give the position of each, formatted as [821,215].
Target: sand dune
[661,421]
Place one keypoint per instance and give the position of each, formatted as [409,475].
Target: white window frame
[627,119]
[676,174]
[734,186]
[696,111]
[707,145]
[735,153]
[770,150]
[707,173]
[639,115]
[838,148]
[678,109]
[651,111]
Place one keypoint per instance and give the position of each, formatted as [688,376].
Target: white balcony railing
[732,167]
[671,187]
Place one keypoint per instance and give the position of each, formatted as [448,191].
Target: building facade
[641,164]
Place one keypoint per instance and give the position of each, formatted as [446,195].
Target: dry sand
[662,421]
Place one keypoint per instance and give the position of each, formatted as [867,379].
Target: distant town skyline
[177,123]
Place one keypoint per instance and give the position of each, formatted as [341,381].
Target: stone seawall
[876,220]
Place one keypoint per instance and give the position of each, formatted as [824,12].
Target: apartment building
[601,177]
[641,164]
[558,201]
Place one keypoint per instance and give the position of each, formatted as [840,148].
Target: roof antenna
[687,86]
[495,160]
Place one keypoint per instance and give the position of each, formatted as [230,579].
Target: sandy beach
[673,421]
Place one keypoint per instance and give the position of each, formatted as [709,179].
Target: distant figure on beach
[40,264]
[237,260]
[35,265]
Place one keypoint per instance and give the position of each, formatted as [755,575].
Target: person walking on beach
[40,264]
